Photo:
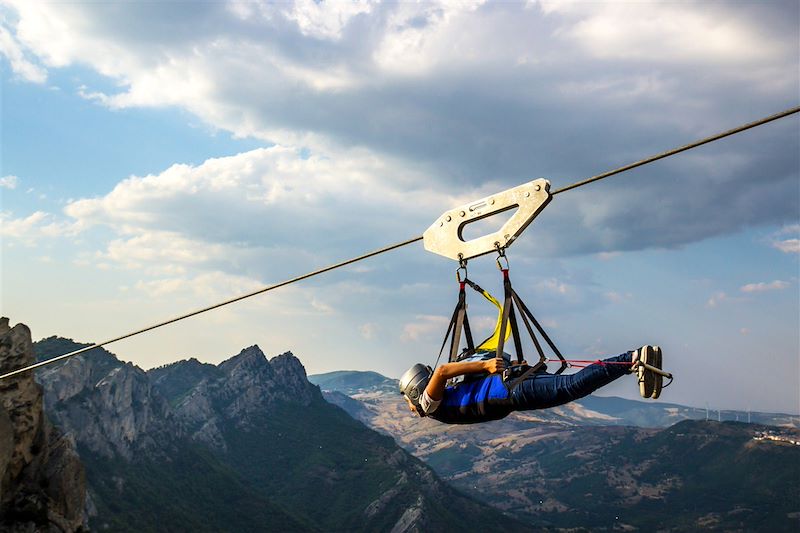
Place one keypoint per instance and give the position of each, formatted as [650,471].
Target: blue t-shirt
[474,401]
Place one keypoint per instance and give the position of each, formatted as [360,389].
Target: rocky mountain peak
[175,380]
[291,374]
[250,359]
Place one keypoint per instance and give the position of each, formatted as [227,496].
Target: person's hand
[496,365]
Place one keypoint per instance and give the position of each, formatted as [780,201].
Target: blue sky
[160,157]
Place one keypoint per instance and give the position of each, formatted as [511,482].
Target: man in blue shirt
[484,395]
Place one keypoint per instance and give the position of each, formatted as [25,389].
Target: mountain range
[252,444]
[246,445]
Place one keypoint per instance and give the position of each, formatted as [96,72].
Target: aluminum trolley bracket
[444,237]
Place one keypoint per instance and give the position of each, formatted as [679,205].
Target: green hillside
[693,475]
[324,451]
[190,491]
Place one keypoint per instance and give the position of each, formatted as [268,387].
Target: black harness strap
[526,311]
[453,321]
[461,311]
[509,320]
[514,375]
[458,322]
[467,330]
[530,331]
[477,288]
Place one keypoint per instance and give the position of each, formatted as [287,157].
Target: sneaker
[646,355]
[658,379]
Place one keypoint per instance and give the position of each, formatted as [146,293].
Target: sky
[159,157]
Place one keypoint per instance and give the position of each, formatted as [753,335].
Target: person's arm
[435,388]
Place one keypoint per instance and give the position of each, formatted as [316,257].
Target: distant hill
[246,445]
[353,382]
[592,410]
[693,475]
[583,467]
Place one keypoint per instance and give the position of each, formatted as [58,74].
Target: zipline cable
[398,245]
[215,306]
[674,151]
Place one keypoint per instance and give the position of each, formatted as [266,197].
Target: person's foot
[658,379]
[646,378]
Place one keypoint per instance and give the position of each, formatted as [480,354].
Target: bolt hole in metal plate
[447,235]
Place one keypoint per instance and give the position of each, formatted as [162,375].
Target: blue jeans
[541,391]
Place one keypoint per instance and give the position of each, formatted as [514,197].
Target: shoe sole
[658,379]
[646,381]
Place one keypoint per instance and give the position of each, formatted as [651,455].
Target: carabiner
[501,254]
[462,265]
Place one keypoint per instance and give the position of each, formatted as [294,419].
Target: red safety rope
[583,363]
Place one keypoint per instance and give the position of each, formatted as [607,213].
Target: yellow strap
[490,344]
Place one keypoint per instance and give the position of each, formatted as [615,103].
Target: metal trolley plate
[444,237]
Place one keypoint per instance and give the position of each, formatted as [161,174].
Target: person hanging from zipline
[484,395]
[482,384]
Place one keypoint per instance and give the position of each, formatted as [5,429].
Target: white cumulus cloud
[36,226]
[787,239]
[776,285]
[238,210]
[468,92]
[20,64]
[424,326]
[9,182]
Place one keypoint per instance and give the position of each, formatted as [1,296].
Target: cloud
[36,226]
[424,326]
[321,307]
[205,287]
[325,20]
[20,65]
[368,330]
[671,27]
[162,248]
[468,92]
[554,286]
[258,210]
[616,297]
[716,299]
[789,245]
[9,182]
[776,285]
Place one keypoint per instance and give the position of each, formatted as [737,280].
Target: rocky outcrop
[175,380]
[42,484]
[289,371]
[244,385]
[112,414]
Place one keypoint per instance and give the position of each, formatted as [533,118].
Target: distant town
[777,435]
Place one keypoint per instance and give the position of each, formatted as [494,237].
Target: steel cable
[400,244]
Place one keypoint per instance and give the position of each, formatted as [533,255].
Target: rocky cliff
[42,484]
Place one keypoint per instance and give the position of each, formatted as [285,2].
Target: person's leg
[549,390]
